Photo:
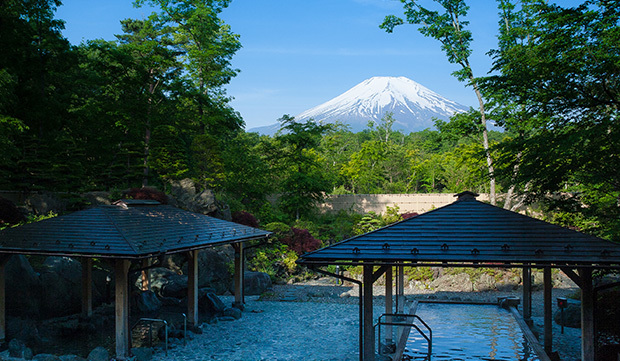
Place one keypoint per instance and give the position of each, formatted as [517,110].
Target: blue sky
[300,53]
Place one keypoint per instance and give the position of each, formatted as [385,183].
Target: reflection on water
[470,332]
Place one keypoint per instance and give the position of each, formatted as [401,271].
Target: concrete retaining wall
[378,203]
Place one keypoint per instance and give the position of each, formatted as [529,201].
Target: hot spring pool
[469,332]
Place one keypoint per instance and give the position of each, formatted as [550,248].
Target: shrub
[9,214]
[245,218]
[147,193]
[301,241]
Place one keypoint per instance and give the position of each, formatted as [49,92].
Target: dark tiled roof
[137,231]
[471,232]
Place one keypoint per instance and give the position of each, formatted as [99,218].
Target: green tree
[449,28]
[558,69]
[303,182]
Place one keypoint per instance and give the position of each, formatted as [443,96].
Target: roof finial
[466,196]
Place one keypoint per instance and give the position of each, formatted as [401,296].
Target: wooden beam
[527,295]
[548,340]
[573,276]
[121,268]
[379,273]
[87,286]
[369,330]
[239,276]
[587,315]
[192,287]
[3,261]
[529,335]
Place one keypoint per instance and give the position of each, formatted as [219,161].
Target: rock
[213,268]
[453,283]
[167,283]
[17,348]
[61,287]
[99,354]
[210,304]
[24,330]
[187,197]
[43,203]
[46,357]
[572,315]
[23,288]
[142,353]
[96,198]
[71,358]
[485,283]
[146,302]
[256,283]
[233,312]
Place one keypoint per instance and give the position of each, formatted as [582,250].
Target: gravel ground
[318,320]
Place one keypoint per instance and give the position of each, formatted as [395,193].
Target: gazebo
[129,230]
[470,233]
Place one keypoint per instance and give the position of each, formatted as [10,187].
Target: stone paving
[274,331]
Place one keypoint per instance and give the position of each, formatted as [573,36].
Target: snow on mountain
[413,105]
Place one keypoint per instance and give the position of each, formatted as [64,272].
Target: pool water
[469,332]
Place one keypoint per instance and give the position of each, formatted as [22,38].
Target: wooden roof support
[369,330]
[389,284]
[123,345]
[548,319]
[587,315]
[3,261]
[87,286]
[192,287]
[527,295]
[239,276]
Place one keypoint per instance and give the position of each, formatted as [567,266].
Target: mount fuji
[413,105]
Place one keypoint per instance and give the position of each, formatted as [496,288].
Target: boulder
[71,358]
[18,349]
[572,315]
[256,283]
[453,283]
[210,304]
[213,268]
[43,203]
[146,302]
[98,354]
[232,312]
[23,288]
[24,330]
[485,283]
[61,286]
[46,357]
[96,198]
[167,283]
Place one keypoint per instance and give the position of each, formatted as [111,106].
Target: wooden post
[121,267]
[87,286]
[239,276]
[587,315]
[548,343]
[400,292]
[369,331]
[192,287]
[388,305]
[3,261]
[527,295]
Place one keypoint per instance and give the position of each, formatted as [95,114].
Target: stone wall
[378,203]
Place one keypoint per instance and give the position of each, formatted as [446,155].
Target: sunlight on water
[470,332]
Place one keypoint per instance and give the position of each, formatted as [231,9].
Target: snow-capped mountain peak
[414,106]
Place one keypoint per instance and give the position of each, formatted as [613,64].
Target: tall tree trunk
[485,141]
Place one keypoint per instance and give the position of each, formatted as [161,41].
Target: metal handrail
[150,321]
[429,338]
